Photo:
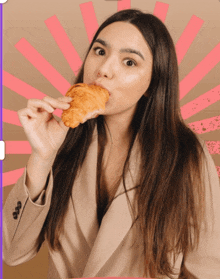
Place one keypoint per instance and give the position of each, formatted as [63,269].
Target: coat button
[17,209]
[19,204]
[15,215]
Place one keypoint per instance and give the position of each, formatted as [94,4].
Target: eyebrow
[129,50]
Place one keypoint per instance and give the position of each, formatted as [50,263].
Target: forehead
[124,34]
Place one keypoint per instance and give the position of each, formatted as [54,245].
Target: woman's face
[121,61]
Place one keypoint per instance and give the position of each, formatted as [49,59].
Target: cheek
[87,71]
[137,82]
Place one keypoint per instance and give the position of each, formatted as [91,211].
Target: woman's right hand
[43,131]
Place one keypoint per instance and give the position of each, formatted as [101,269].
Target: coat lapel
[116,223]
[84,193]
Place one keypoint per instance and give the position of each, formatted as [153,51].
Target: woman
[125,194]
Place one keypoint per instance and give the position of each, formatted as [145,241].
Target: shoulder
[208,164]
[212,188]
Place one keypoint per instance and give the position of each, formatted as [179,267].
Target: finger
[27,112]
[65,99]
[25,115]
[36,104]
[56,103]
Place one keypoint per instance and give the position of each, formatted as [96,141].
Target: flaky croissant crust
[86,99]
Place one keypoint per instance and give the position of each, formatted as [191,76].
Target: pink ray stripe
[188,36]
[17,147]
[89,18]
[205,125]
[64,43]
[58,112]
[124,4]
[11,177]
[218,170]
[200,71]
[24,89]
[21,87]
[200,103]
[213,147]
[43,66]
[160,10]
[11,117]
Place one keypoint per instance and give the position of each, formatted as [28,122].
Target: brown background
[25,18]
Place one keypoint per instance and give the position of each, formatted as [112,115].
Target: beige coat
[109,251]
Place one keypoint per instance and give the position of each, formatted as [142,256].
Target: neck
[118,130]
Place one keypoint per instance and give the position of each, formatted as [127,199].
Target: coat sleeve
[23,220]
[204,263]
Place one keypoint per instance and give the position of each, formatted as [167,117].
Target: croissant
[88,101]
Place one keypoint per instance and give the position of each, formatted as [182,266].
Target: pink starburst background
[41,44]
[69,52]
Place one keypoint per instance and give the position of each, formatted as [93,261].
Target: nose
[107,68]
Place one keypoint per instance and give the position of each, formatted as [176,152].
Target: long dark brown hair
[169,196]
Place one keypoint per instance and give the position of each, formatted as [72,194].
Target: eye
[99,51]
[130,63]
